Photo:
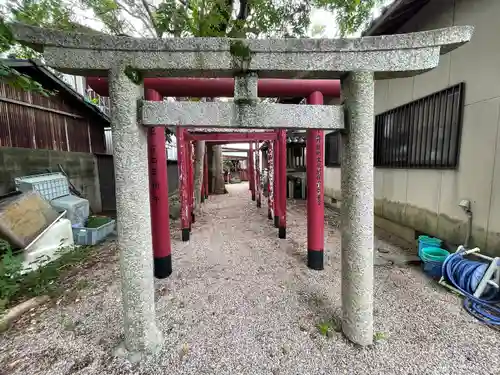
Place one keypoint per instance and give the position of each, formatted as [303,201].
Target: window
[333,142]
[421,134]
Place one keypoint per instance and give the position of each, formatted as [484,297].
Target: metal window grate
[421,134]
[333,143]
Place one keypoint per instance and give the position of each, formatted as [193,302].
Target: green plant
[46,279]
[97,221]
[379,336]
[327,327]
[10,273]
[323,328]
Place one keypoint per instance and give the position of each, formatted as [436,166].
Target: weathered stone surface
[357,209]
[245,88]
[198,172]
[134,218]
[174,210]
[262,115]
[391,55]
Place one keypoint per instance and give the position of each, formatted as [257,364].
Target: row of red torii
[156,89]
[129,63]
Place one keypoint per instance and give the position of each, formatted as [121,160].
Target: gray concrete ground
[241,301]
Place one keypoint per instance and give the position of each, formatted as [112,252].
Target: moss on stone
[240,50]
[133,74]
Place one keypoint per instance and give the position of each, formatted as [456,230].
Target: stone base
[152,347]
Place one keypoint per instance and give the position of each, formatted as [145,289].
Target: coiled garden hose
[465,275]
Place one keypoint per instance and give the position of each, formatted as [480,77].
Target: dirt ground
[242,301]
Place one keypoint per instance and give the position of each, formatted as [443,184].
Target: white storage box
[48,247]
[77,209]
[48,185]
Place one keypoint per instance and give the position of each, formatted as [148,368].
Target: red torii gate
[157,88]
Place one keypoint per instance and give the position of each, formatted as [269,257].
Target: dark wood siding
[30,120]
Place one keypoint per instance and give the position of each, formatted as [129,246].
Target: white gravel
[241,301]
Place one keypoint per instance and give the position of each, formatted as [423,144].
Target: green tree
[179,18]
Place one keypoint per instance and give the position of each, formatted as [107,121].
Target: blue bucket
[433,269]
[426,241]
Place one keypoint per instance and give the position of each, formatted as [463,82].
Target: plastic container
[48,185]
[23,216]
[433,259]
[426,241]
[92,236]
[433,269]
[434,254]
[77,209]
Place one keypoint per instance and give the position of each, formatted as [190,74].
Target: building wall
[427,200]
[81,168]
[107,180]
[34,121]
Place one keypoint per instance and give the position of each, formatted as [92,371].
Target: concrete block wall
[427,200]
[81,168]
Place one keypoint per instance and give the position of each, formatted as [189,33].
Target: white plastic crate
[92,236]
[77,209]
[48,185]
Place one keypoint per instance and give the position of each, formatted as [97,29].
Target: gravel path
[241,301]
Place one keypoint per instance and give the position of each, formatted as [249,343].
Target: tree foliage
[169,18]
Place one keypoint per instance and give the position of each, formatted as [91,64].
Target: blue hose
[465,275]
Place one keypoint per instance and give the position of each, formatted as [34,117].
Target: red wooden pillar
[202,195]
[252,171]
[270,180]
[248,171]
[183,183]
[158,196]
[315,192]
[191,181]
[282,182]
[205,174]
[276,183]
[257,176]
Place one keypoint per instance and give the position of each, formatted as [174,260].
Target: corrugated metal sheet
[109,141]
[33,121]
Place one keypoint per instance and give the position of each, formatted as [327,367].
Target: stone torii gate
[357,62]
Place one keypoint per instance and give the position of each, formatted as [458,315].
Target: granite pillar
[357,208]
[134,217]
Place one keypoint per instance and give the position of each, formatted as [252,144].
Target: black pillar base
[163,267]
[282,232]
[202,199]
[276,221]
[315,259]
[269,215]
[193,218]
[253,197]
[185,234]
[259,204]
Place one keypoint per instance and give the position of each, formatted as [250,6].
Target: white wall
[428,199]
[77,82]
